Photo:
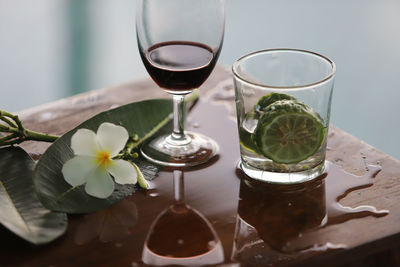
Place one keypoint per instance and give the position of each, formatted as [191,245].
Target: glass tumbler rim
[325,79]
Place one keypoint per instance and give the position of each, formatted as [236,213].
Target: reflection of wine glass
[181,235]
[274,215]
[179,42]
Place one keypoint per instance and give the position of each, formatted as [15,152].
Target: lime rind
[246,140]
[269,99]
[245,137]
[286,106]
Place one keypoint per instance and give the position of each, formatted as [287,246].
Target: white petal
[99,183]
[84,142]
[112,138]
[77,169]
[123,172]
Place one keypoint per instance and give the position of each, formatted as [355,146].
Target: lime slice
[246,131]
[269,99]
[289,132]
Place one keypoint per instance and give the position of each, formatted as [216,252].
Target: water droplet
[180,242]
[154,194]
[195,125]
[211,244]
[327,246]
[114,106]
[47,116]
[118,245]
[258,257]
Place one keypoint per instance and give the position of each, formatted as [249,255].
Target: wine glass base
[198,151]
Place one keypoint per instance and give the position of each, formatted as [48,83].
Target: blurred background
[50,49]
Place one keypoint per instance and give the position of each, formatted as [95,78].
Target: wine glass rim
[326,78]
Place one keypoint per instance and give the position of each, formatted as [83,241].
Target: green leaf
[141,118]
[20,210]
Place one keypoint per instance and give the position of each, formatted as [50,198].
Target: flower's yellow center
[103,158]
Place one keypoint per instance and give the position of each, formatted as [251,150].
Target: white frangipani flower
[94,161]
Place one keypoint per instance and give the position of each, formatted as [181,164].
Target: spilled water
[339,183]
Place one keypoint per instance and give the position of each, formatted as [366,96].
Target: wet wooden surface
[116,236]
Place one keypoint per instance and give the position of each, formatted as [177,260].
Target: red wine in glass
[179,65]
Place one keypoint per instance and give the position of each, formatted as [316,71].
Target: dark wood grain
[212,190]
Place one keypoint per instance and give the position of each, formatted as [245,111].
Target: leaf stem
[12,124]
[32,135]
[8,137]
[17,132]
[15,118]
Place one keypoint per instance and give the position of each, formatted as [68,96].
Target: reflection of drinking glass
[181,235]
[179,42]
[270,216]
[283,99]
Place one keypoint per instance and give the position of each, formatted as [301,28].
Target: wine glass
[180,235]
[179,42]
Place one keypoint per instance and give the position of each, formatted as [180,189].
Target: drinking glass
[179,43]
[283,102]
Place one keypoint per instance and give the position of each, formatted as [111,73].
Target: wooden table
[213,192]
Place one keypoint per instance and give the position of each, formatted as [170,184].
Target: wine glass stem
[178,136]
[179,191]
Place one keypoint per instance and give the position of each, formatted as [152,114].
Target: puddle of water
[339,183]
